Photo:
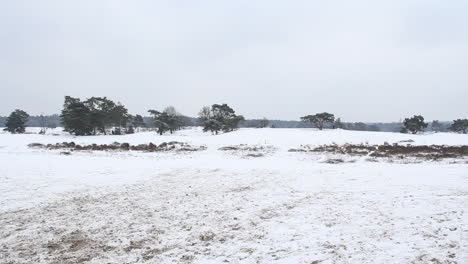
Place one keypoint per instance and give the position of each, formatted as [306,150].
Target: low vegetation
[434,152]
[116,146]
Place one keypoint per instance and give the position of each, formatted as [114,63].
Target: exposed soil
[430,152]
[116,146]
[249,151]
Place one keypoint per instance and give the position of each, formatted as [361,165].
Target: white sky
[361,60]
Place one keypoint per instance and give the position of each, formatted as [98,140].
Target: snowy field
[231,206]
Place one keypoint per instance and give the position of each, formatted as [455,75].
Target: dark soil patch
[245,147]
[432,152]
[116,146]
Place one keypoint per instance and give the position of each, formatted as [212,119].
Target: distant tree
[101,113]
[357,126]
[16,122]
[212,125]
[95,115]
[219,117]
[160,121]
[436,126]
[319,119]
[167,120]
[360,126]
[130,130]
[185,121]
[119,117]
[222,113]
[204,114]
[138,122]
[43,123]
[459,125]
[339,124]
[373,127]
[414,124]
[264,122]
[76,117]
[173,119]
[233,123]
[51,124]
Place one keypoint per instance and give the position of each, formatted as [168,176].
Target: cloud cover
[362,60]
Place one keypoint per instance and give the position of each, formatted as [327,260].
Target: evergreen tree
[16,122]
[119,117]
[95,115]
[358,126]
[172,119]
[167,120]
[264,122]
[373,127]
[160,120]
[101,111]
[219,117]
[76,117]
[414,124]
[138,122]
[212,125]
[319,119]
[204,115]
[436,126]
[459,125]
[233,123]
[338,123]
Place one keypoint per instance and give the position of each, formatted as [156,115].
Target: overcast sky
[361,60]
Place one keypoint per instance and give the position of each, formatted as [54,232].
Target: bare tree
[204,114]
[171,111]
[174,118]
[264,122]
[43,122]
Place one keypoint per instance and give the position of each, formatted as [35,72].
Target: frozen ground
[217,206]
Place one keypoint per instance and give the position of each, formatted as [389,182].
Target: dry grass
[116,146]
[432,152]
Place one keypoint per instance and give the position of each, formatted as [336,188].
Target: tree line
[411,125]
[100,115]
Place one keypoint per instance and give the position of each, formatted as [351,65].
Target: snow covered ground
[216,206]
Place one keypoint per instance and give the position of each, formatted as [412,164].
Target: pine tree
[138,122]
[76,117]
[460,125]
[101,111]
[319,119]
[160,121]
[338,123]
[212,125]
[436,126]
[16,122]
[172,119]
[219,117]
[414,124]
[119,117]
[264,122]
